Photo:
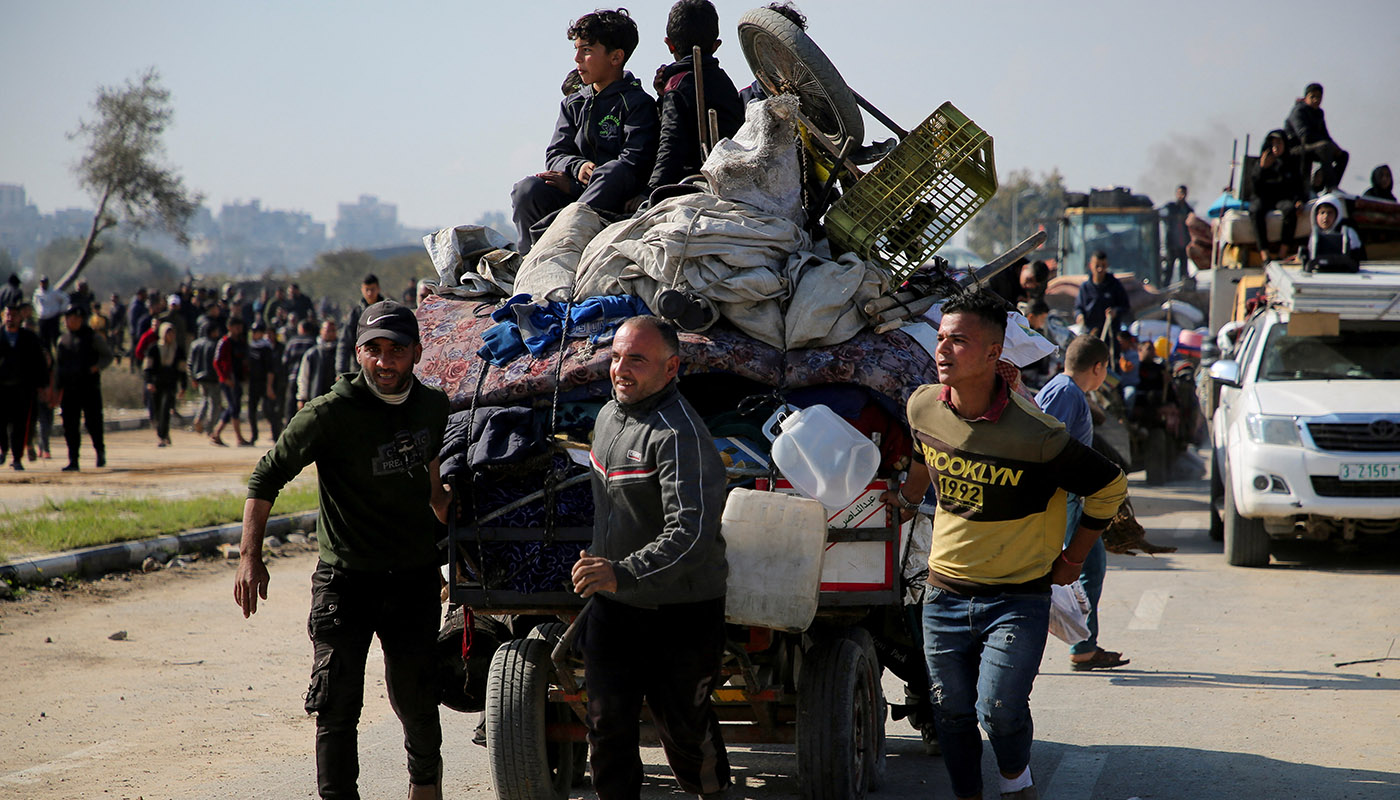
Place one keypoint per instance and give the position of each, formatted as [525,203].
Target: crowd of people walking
[262,353]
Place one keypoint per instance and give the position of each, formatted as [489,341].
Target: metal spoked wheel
[785,59]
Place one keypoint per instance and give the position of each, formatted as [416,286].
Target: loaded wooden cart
[817,588]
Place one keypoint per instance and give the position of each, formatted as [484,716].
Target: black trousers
[670,657]
[348,607]
[255,399]
[82,402]
[162,404]
[1177,262]
[16,413]
[272,412]
[1330,157]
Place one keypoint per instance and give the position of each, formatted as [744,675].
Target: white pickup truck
[1306,435]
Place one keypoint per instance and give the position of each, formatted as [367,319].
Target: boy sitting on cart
[605,140]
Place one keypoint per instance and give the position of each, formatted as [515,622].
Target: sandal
[1102,659]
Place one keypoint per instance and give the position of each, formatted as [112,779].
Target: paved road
[1232,690]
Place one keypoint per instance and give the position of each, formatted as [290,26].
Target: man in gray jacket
[656,572]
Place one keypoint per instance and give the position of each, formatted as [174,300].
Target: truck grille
[1380,436]
[1331,486]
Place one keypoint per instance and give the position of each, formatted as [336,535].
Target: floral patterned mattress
[892,364]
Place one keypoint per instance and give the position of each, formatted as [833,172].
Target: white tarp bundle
[549,269]
[473,257]
[728,253]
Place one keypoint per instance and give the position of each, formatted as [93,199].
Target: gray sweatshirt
[658,495]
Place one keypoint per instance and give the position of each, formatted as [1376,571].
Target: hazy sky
[440,107]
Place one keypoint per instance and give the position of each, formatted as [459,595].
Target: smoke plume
[1199,160]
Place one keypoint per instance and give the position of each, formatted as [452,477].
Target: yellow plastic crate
[919,195]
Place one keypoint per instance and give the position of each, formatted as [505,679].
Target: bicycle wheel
[786,60]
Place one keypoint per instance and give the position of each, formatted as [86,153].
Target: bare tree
[122,168]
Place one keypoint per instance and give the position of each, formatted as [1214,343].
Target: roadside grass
[53,527]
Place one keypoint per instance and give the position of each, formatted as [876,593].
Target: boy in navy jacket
[691,23]
[605,141]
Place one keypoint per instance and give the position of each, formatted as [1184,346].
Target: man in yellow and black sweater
[999,470]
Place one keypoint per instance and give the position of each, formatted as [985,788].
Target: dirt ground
[166,674]
[136,467]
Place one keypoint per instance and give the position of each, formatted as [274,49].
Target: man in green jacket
[374,439]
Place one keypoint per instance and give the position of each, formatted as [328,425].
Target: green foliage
[338,274]
[1038,202]
[120,267]
[122,167]
[85,523]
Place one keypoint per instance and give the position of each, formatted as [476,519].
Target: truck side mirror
[1226,373]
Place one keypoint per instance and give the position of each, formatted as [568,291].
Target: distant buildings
[244,239]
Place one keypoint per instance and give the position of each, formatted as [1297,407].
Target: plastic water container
[774,544]
[824,456]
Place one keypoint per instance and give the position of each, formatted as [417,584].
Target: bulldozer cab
[1129,236]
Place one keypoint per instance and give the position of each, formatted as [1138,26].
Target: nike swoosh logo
[377,319]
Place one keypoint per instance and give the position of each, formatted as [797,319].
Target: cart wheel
[834,713]
[524,766]
[552,632]
[785,59]
[875,744]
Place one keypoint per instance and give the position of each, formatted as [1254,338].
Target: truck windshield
[1129,240]
[1370,353]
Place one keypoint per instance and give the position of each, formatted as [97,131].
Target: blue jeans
[983,655]
[1091,575]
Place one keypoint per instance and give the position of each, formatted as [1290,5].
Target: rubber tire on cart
[1217,497]
[1246,541]
[833,713]
[552,632]
[524,766]
[875,765]
[781,54]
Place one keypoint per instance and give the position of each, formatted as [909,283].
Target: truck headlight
[1271,429]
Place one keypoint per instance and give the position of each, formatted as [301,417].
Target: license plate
[1368,472]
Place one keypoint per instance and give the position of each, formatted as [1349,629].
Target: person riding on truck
[604,143]
[1307,129]
[1331,234]
[1276,187]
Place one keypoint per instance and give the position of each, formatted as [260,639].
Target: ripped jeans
[348,607]
[983,655]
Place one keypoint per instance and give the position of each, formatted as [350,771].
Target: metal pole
[701,118]
[1015,200]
